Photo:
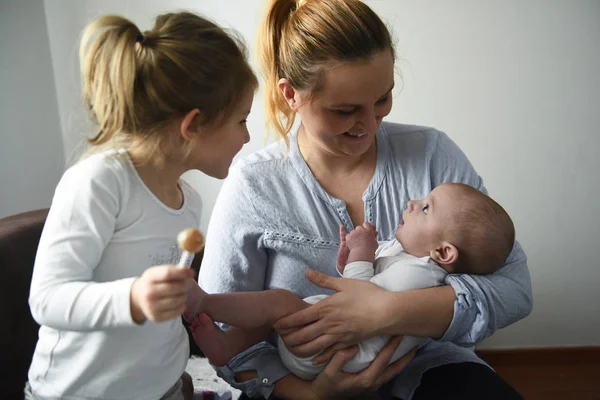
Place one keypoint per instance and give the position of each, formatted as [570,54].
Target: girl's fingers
[168,289]
[171,303]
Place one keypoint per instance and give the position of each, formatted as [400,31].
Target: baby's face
[424,221]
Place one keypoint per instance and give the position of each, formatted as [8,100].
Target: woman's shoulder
[413,140]
[271,161]
[265,177]
[271,154]
[445,160]
[404,132]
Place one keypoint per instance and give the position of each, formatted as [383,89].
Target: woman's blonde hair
[298,39]
[135,83]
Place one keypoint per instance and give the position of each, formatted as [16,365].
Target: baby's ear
[444,254]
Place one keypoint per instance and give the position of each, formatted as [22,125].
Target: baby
[456,229]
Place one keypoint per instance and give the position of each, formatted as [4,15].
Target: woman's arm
[334,383]
[345,318]
[489,302]
[465,311]
[486,303]
[461,312]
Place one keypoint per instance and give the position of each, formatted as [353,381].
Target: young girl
[105,289]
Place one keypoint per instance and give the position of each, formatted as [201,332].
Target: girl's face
[343,117]
[215,147]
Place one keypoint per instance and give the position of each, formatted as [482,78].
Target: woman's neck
[161,180]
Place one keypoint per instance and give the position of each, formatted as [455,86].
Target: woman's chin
[356,147]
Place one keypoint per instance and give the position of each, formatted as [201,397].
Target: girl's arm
[80,224]
[235,260]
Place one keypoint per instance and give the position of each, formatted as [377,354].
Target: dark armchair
[19,237]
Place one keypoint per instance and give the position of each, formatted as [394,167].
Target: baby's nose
[411,205]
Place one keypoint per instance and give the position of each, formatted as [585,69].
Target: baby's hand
[160,293]
[362,235]
[362,243]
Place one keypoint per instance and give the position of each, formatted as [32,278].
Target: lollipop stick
[185,260]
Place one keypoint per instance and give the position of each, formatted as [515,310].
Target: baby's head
[461,228]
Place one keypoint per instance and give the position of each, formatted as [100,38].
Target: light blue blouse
[272,220]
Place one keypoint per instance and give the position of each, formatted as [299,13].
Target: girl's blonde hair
[298,39]
[135,83]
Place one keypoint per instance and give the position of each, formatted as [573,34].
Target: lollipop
[190,241]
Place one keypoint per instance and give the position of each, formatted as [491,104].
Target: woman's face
[344,115]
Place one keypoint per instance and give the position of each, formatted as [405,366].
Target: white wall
[66,19]
[517,85]
[514,83]
[31,150]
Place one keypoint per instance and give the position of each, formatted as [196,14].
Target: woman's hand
[343,319]
[334,383]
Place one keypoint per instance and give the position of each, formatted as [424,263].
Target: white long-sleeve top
[104,229]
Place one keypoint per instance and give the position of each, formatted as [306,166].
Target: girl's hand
[160,293]
[334,383]
[343,319]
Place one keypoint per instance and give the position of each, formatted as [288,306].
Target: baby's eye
[426,209]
